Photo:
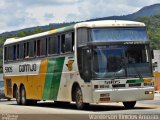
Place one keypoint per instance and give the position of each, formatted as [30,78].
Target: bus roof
[110,23]
[89,24]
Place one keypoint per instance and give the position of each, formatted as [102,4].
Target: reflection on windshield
[121,61]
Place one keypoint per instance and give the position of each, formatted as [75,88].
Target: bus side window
[63,43]
[53,45]
[5,54]
[17,51]
[38,47]
[26,50]
[21,50]
[35,46]
[10,53]
[14,52]
[68,42]
[82,36]
[59,44]
[31,49]
[73,42]
[42,47]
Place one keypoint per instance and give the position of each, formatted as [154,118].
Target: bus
[87,63]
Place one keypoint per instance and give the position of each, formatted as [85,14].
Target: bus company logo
[112,82]
[27,68]
[8,69]
[69,65]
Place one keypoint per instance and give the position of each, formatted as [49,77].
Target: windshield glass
[121,61]
[118,34]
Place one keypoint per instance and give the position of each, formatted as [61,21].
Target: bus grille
[135,85]
[118,85]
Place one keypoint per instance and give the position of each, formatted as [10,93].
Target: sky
[19,14]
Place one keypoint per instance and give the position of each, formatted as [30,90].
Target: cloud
[48,16]
[20,14]
[48,2]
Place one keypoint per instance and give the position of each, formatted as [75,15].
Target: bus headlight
[148,92]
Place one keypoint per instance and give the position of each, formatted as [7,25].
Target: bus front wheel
[79,99]
[129,105]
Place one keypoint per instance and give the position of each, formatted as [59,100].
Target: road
[70,111]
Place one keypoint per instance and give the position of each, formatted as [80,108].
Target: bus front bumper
[121,95]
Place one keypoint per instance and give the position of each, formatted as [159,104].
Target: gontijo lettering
[27,68]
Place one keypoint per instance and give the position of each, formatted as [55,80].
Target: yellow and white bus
[88,62]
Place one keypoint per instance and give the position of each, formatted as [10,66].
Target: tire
[24,100]
[23,96]
[129,105]
[79,100]
[18,97]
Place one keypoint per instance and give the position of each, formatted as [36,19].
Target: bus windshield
[118,34]
[121,61]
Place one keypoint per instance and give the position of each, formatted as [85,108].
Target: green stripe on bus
[53,77]
[135,81]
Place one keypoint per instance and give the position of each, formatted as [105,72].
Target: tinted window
[38,47]
[43,47]
[26,50]
[31,49]
[82,36]
[53,45]
[18,51]
[14,52]
[5,54]
[21,49]
[68,42]
[10,53]
[63,43]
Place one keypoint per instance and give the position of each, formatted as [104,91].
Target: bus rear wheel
[129,105]
[23,94]
[18,97]
[79,99]
[24,100]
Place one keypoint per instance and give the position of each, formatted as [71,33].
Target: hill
[151,10]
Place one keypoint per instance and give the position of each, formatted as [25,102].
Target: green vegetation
[153,29]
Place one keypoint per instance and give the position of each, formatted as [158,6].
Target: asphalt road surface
[48,109]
